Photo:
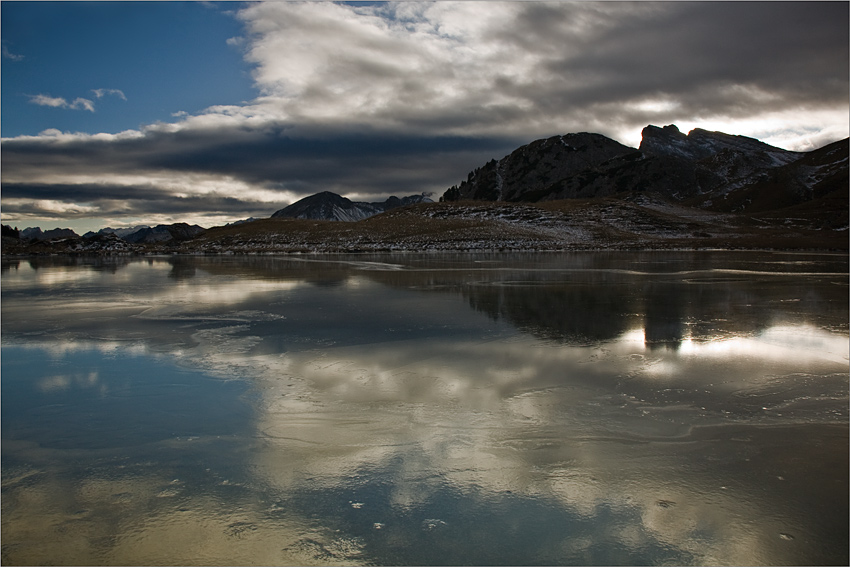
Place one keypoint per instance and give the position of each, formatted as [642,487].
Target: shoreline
[171,254]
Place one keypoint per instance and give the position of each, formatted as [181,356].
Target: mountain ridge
[709,170]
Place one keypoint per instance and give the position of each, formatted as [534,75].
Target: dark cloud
[262,157]
[367,164]
[695,52]
[331,157]
[119,200]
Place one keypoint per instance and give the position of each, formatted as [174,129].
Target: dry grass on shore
[572,224]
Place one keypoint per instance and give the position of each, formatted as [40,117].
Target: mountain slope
[528,173]
[719,163]
[812,177]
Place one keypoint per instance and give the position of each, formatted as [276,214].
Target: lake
[439,409]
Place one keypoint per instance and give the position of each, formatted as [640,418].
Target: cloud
[9,55]
[537,67]
[403,98]
[100,93]
[78,103]
[44,100]
[82,103]
[111,199]
[231,171]
[59,102]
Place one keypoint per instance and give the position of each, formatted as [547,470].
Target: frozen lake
[587,408]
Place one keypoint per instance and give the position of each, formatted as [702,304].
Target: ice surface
[592,408]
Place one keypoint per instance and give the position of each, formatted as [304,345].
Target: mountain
[35,233]
[709,170]
[144,234]
[330,206]
[119,232]
[813,176]
[529,172]
[177,232]
[243,221]
[712,164]
[699,144]
[327,206]
[9,232]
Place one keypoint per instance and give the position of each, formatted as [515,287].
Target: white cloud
[503,68]
[45,100]
[50,207]
[59,102]
[9,55]
[82,103]
[389,65]
[78,103]
[100,93]
[54,135]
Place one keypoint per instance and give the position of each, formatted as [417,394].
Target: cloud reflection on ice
[781,342]
[65,381]
[549,424]
[599,417]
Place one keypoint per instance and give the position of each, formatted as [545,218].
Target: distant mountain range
[709,170]
[177,232]
[321,206]
[35,233]
[330,206]
[119,232]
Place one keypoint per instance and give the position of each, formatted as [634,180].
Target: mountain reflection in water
[591,408]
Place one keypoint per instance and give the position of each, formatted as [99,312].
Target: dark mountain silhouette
[35,233]
[529,172]
[9,232]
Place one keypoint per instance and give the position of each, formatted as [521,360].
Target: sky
[126,113]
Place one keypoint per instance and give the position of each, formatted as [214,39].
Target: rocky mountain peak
[700,144]
[668,141]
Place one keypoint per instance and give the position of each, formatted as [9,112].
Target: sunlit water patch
[426,409]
